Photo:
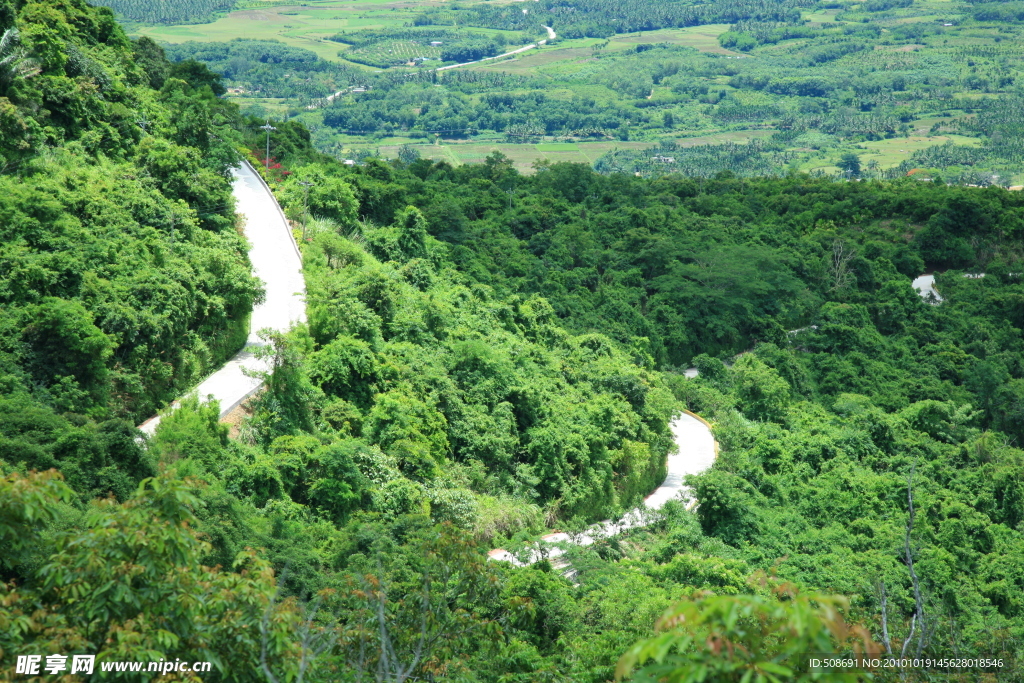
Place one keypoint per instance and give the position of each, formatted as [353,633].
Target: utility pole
[268,128]
[305,201]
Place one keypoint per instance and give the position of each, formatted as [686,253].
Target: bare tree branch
[909,558]
[839,266]
[885,620]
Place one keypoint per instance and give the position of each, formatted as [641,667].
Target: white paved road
[551,36]
[275,260]
[695,452]
[925,286]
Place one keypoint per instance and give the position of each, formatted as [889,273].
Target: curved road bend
[275,261]
[925,286]
[695,452]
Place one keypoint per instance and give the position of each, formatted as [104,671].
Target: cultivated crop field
[392,52]
[889,85]
[891,152]
[306,26]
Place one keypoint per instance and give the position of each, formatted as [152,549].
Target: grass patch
[523,156]
[702,38]
[891,152]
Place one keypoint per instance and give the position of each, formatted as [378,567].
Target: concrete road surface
[695,452]
[925,286]
[275,261]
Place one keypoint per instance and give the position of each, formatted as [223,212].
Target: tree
[729,506]
[763,394]
[839,265]
[445,610]
[151,58]
[408,154]
[411,228]
[14,61]
[850,163]
[749,638]
[128,585]
[69,353]
[328,196]
[198,75]
[193,430]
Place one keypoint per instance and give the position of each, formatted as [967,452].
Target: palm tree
[14,60]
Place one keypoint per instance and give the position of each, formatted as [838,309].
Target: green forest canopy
[487,355]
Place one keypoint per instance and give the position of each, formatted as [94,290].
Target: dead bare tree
[909,559]
[839,265]
[910,636]
[883,599]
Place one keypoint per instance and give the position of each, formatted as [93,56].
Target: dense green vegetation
[489,355]
[878,395]
[259,68]
[124,280]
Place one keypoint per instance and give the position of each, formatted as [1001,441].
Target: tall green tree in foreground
[762,638]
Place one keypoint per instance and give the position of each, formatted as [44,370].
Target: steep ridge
[276,261]
[696,450]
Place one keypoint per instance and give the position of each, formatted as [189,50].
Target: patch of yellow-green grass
[703,38]
[918,19]
[738,136]
[273,105]
[818,166]
[892,152]
[820,17]
[976,95]
[530,61]
[930,121]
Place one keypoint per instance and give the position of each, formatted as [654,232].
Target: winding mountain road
[695,452]
[276,261]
